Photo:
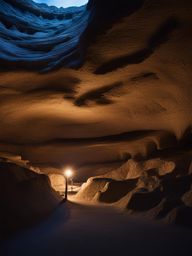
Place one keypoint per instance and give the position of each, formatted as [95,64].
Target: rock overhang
[71,86]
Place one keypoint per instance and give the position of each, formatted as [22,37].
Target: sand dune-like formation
[158,187]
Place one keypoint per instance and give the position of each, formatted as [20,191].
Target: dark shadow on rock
[144,201]
[26,198]
[160,36]
[181,216]
[98,95]
[116,190]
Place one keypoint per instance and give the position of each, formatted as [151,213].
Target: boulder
[25,197]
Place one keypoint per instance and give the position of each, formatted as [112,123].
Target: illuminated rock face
[159,187]
[95,86]
[57,182]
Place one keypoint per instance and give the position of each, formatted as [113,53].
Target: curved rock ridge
[42,38]
[38,37]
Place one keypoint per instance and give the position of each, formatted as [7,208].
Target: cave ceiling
[94,84]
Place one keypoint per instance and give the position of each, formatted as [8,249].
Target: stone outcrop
[26,197]
[161,192]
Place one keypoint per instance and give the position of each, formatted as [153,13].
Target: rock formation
[159,187]
[103,87]
[26,197]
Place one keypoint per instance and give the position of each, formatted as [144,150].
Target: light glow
[68,173]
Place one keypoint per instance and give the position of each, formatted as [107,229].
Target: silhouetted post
[66,188]
[68,173]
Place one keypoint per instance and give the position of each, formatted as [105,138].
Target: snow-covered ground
[79,229]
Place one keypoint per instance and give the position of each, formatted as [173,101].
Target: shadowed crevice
[160,36]
[97,95]
[66,85]
[101,95]
[127,136]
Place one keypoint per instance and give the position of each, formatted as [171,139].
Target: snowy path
[76,229]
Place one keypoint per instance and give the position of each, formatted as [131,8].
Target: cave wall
[38,37]
[26,197]
[128,93]
[96,87]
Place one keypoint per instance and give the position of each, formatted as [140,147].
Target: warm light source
[68,173]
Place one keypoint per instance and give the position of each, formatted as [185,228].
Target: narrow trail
[78,229]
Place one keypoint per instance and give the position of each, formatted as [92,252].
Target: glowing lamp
[68,173]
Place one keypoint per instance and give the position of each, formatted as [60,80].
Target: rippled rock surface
[97,86]
[39,37]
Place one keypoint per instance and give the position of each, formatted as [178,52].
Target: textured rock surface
[129,96]
[25,197]
[162,195]
[38,37]
[118,97]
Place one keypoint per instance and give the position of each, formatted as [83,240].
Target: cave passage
[95,103]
